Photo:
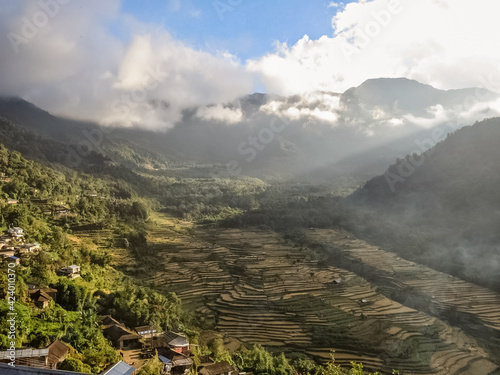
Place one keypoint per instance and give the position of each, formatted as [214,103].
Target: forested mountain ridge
[50,204]
[442,207]
[332,132]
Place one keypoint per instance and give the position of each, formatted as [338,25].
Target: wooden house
[46,358]
[177,342]
[118,334]
[42,297]
[174,363]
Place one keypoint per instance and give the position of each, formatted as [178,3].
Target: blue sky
[247,29]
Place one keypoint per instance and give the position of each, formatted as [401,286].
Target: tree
[153,367]
[73,364]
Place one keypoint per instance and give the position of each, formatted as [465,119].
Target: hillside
[442,207]
[334,134]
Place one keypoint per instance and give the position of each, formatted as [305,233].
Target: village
[135,345]
[13,247]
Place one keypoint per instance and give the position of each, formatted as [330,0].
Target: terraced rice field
[259,288]
[474,308]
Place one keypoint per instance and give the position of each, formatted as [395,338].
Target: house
[72,271]
[118,334]
[42,297]
[31,247]
[26,357]
[121,337]
[120,368]
[7,253]
[13,259]
[58,351]
[16,232]
[6,369]
[177,342]
[219,368]
[146,332]
[108,320]
[174,363]
[60,211]
[167,364]
[46,358]
[12,201]
[181,364]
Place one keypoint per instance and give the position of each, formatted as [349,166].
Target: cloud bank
[91,61]
[74,64]
[445,43]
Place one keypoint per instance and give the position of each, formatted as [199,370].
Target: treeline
[258,360]
[38,188]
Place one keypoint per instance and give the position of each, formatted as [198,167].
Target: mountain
[39,134]
[441,207]
[270,136]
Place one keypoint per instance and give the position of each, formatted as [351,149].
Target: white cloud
[448,44]
[395,122]
[75,66]
[220,113]
[320,105]
[437,115]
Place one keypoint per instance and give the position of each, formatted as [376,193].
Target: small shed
[58,351]
[42,297]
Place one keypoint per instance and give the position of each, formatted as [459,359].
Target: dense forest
[440,208]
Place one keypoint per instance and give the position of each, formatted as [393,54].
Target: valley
[249,187]
[267,267]
[255,286]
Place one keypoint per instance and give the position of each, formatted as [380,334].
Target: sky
[248,29]
[142,63]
